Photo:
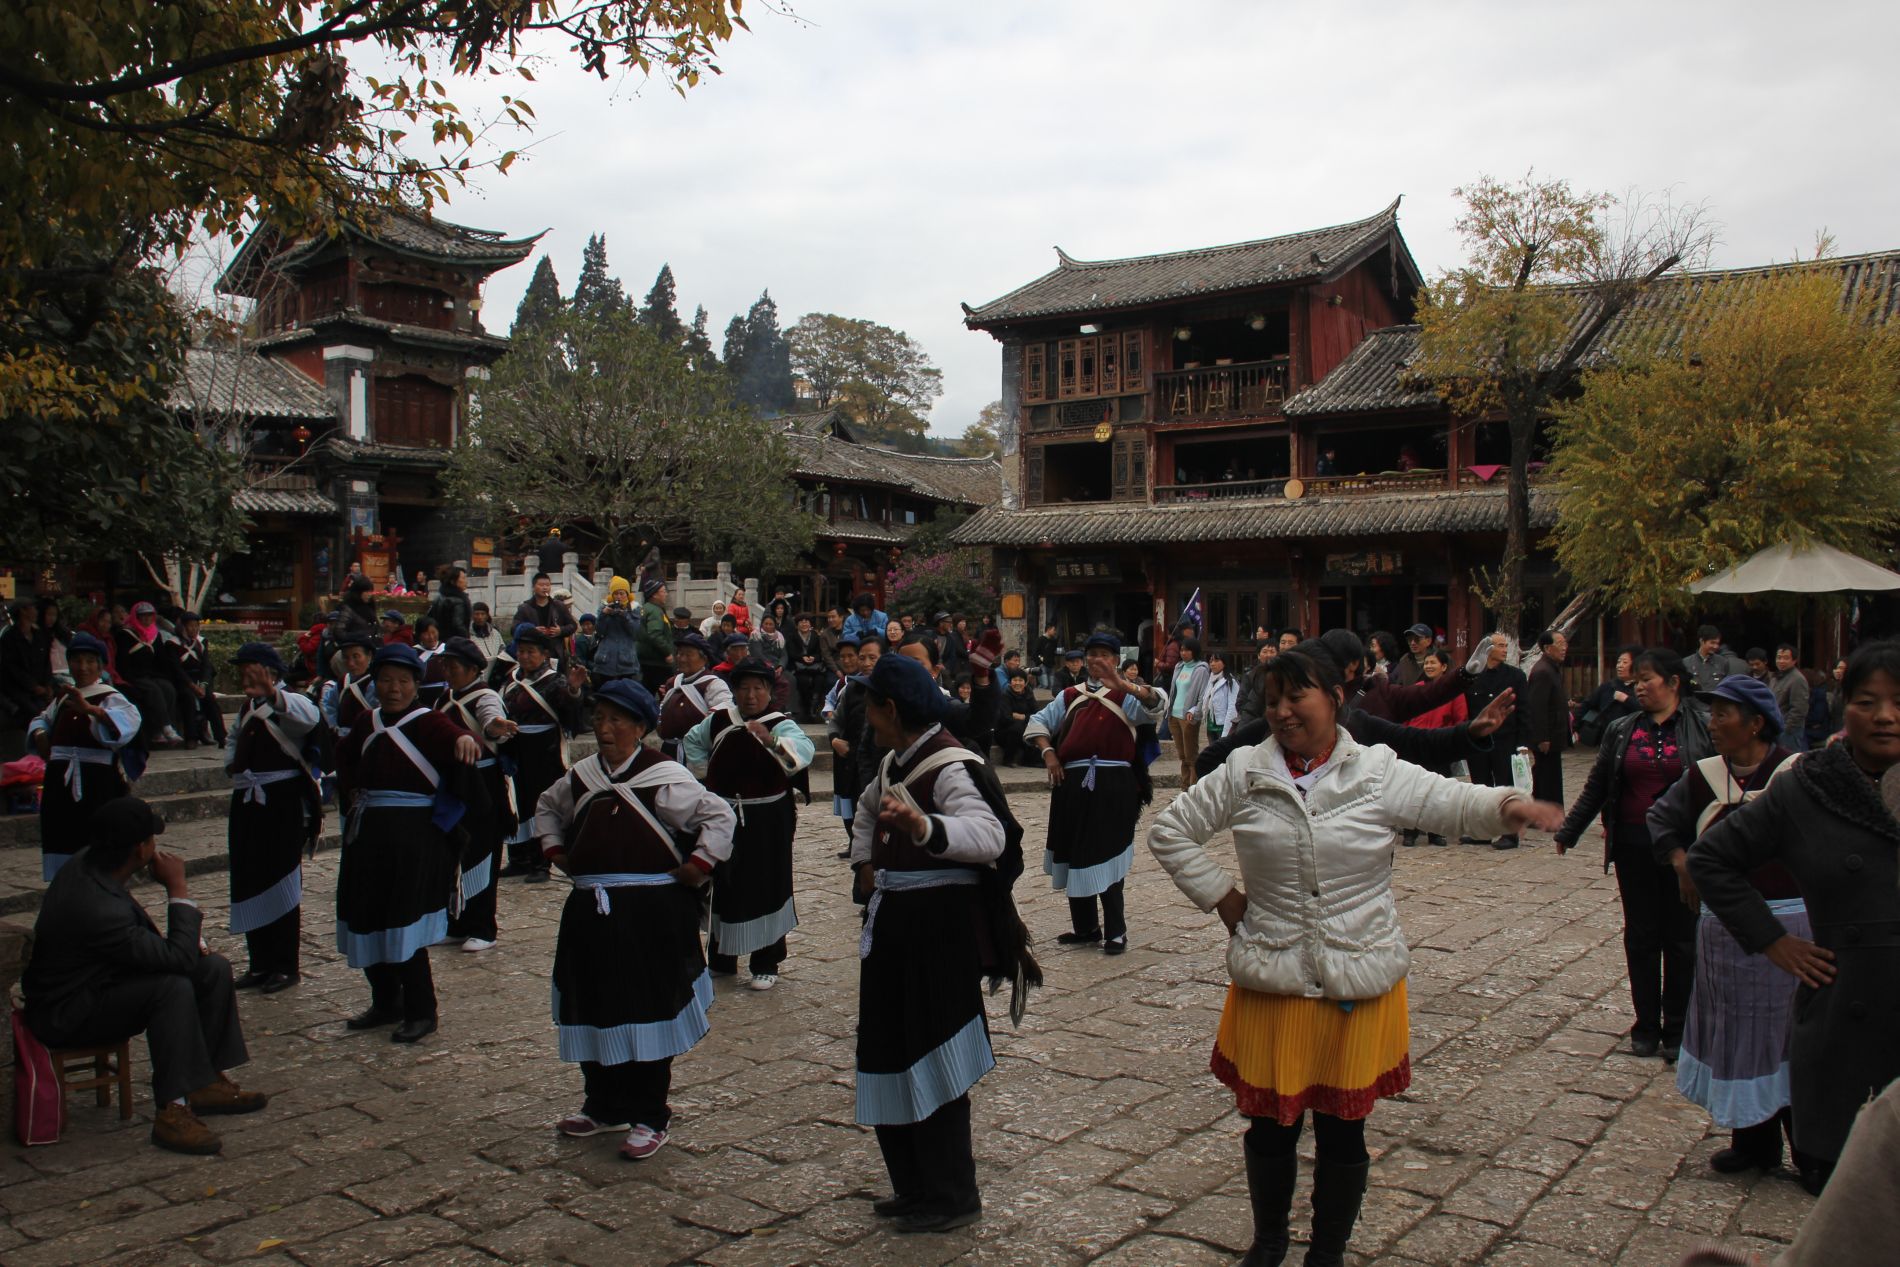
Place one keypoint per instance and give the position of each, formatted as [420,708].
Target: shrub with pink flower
[943,582]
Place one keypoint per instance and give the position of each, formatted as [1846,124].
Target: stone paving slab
[1528,1138]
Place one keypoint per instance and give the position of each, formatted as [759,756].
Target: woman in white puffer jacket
[1316,1015]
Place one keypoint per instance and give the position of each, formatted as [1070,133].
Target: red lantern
[837,549]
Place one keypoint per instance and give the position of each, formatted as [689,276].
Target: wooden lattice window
[1035,373]
[1134,371]
[1067,365]
[1131,468]
[1032,476]
[1085,374]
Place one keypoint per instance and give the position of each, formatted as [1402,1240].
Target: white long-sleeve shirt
[292,713]
[684,806]
[790,745]
[970,831]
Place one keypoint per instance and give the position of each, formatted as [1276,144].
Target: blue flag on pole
[1191,614]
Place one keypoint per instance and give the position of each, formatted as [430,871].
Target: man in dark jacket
[1419,641]
[101,972]
[1710,662]
[1499,674]
[546,613]
[1250,702]
[1547,717]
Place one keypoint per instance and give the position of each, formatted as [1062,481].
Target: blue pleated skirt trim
[262,909]
[843,806]
[391,945]
[1091,880]
[1734,1103]
[899,1099]
[643,1040]
[524,832]
[755,934]
[50,863]
[476,879]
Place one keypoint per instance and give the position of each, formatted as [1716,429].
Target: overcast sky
[889,159]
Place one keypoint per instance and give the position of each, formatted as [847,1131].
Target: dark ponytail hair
[1306,667]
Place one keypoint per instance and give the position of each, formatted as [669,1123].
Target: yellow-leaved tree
[1775,419]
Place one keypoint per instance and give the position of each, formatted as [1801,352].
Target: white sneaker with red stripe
[641,1143]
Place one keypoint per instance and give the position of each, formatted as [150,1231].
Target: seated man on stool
[102,972]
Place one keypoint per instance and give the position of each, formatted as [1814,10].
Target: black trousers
[190,1025]
[276,946]
[1009,738]
[932,1161]
[811,684]
[157,702]
[1547,776]
[1658,936]
[197,715]
[764,959]
[408,987]
[1112,922]
[478,916]
[1335,1139]
[633,1092]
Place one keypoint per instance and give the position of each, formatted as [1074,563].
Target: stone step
[200,839]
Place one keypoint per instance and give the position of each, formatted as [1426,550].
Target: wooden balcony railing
[1223,490]
[1222,391]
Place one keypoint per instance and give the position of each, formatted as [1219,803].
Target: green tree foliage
[660,312]
[1502,336]
[597,292]
[599,420]
[541,302]
[762,371]
[1776,420]
[128,129]
[698,343]
[880,377]
[110,465]
[980,438]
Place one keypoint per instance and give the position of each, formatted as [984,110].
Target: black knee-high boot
[1338,1190]
[1270,1183]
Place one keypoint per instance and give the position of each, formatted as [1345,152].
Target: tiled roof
[346,450]
[961,481]
[1346,515]
[1371,377]
[1081,286]
[401,229]
[298,501]
[1378,373]
[401,331]
[239,382]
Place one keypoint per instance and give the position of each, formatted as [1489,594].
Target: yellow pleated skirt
[1283,1055]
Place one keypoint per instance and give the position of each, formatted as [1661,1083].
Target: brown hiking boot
[224,1096]
[177,1129]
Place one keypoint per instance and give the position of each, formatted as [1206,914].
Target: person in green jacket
[656,635]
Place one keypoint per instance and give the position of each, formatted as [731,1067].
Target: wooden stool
[69,1063]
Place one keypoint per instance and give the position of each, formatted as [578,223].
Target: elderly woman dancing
[1316,1012]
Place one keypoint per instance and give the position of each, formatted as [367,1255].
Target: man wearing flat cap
[544,710]
[276,811]
[638,835]
[655,642]
[101,972]
[82,737]
[748,753]
[1098,783]
[471,704]
[691,695]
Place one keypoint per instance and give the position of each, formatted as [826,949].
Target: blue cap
[695,641]
[754,666]
[587,616]
[260,653]
[1110,638]
[400,654]
[533,637]
[86,644]
[395,616]
[358,638]
[465,650]
[631,698]
[1753,693]
[908,684]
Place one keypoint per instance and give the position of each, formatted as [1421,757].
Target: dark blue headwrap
[260,653]
[631,698]
[908,684]
[400,654]
[1110,638]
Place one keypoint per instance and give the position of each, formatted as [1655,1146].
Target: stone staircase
[191,793]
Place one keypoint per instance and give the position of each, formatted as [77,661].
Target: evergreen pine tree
[598,294]
[659,311]
[699,348]
[764,377]
[541,302]
[734,353]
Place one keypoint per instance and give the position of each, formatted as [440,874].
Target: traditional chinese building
[872,500]
[1242,420]
[357,377]
[1233,420]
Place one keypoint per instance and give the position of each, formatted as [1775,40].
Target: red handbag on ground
[39,1110]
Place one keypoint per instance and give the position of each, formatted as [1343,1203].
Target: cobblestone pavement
[1526,1140]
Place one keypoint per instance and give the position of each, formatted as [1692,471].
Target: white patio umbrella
[1815,569]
